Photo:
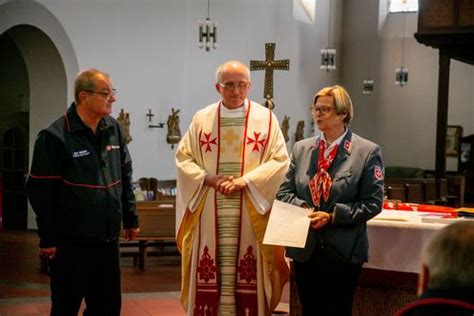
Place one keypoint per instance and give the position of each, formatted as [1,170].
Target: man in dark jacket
[446,280]
[80,189]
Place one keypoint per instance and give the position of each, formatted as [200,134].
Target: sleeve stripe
[45,177]
[77,184]
[90,186]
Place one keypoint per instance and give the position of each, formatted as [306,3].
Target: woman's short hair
[342,101]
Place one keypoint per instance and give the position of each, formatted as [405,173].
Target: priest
[230,164]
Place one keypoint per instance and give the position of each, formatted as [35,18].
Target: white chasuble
[225,268]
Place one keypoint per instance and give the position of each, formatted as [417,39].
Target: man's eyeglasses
[229,86]
[323,109]
[107,95]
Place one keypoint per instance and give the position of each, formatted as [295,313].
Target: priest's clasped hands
[225,184]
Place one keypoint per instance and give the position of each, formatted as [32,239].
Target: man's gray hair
[220,69]
[449,257]
[85,80]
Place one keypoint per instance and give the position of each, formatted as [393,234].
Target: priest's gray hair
[449,257]
[85,80]
[220,69]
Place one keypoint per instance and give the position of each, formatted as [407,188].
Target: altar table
[388,281]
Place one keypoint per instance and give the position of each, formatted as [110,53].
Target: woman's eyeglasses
[322,109]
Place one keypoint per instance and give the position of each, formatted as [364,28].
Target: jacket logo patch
[80,153]
[111,147]
[347,145]
[378,173]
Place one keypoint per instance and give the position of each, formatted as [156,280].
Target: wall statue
[299,134]
[285,127]
[124,120]
[174,134]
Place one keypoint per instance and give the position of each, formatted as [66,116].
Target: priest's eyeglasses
[106,95]
[229,86]
[322,109]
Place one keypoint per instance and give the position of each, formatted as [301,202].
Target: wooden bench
[157,230]
[444,191]
[456,186]
[417,190]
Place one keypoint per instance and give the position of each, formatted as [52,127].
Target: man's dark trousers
[86,270]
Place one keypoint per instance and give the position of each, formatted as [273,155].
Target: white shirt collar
[334,143]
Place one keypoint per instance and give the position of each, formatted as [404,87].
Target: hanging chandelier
[328,54]
[208,32]
[401,73]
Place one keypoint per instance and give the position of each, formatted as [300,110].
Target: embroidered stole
[321,183]
[228,212]
[227,285]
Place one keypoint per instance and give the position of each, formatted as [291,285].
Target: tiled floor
[24,290]
[144,304]
[156,304]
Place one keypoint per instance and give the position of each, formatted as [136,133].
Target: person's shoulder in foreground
[446,279]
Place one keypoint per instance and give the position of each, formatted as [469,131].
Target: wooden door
[15,164]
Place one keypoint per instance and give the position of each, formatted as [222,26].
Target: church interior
[408,70]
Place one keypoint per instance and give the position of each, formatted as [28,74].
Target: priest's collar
[240,111]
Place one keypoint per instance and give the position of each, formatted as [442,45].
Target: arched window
[403,6]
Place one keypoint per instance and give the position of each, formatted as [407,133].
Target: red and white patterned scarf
[320,184]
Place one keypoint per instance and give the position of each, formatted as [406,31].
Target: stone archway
[50,64]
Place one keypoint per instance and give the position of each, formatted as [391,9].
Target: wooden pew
[396,192]
[417,190]
[414,192]
[456,185]
[430,191]
[157,229]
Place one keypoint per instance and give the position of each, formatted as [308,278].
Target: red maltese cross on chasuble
[256,141]
[207,141]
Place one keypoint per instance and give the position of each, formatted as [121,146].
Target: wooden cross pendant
[269,64]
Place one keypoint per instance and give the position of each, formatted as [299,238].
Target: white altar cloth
[396,239]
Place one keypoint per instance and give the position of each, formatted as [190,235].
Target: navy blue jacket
[80,182]
[356,195]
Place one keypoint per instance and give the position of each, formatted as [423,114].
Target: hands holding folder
[318,218]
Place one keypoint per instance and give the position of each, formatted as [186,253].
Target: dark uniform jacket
[356,195]
[437,302]
[80,182]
